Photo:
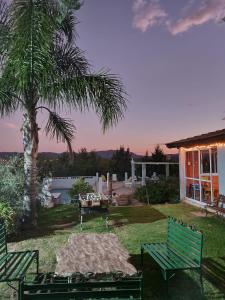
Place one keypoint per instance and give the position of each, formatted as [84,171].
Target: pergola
[143,169]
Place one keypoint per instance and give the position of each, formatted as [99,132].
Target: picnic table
[92,204]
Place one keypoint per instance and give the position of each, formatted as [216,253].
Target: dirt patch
[199,213]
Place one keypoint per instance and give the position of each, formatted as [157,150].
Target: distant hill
[173,157]
[7,155]
[49,154]
[107,154]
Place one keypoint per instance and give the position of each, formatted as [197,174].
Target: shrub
[79,187]
[12,183]
[8,216]
[159,192]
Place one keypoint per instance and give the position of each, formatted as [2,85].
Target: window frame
[200,180]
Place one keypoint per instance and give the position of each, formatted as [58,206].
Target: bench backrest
[3,244]
[68,288]
[185,240]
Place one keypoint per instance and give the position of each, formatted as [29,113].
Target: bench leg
[81,222]
[37,261]
[142,258]
[167,289]
[201,281]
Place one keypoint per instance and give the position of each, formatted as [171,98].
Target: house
[202,167]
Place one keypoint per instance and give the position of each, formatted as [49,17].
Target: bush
[12,183]
[79,187]
[159,192]
[8,216]
[11,192]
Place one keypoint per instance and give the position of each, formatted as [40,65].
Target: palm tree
[42,69]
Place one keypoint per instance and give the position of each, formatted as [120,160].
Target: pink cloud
[147,13]
[210,10]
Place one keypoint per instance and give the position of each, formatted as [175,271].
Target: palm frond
[9,102]
[67,26]
[69,61]
[102,92]
[60,128]
[107,97]
[32,26]
[66,19]
[4,31]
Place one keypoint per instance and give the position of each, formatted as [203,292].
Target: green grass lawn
[133,226]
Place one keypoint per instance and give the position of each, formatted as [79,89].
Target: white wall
[67,182]
[182,172]
[221,168]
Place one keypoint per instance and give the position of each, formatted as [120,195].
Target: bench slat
[158,256]
[49,287]
[178,261]
[96,284]
[183,239]
[188,230]
[168,259]
[22,265]
[13,265]
[189,262]
[182,244]
[180,249]
[184,233]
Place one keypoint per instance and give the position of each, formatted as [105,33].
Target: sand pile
[96,253]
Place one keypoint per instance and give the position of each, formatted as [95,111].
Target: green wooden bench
[181,251]
[13,265]
[111,286]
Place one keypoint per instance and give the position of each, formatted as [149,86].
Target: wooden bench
[13,265]
[181,251]
[112,286]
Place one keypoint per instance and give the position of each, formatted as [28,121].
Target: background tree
[121,162]
[42,69]
[158,156]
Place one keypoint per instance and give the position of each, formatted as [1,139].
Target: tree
[121,161]
[158,154]
[42,69]
[146,158]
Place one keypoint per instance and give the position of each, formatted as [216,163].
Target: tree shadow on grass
[66,217]
[185,285]
[214,273]
[120,216]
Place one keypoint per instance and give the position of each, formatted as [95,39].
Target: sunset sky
[170,55]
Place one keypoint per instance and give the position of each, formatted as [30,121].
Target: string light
[204,146]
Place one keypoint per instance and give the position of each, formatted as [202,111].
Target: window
[189,164]
[201,175]
[205,161]
[214,160]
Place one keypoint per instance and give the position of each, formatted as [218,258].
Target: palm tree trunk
[30,145]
